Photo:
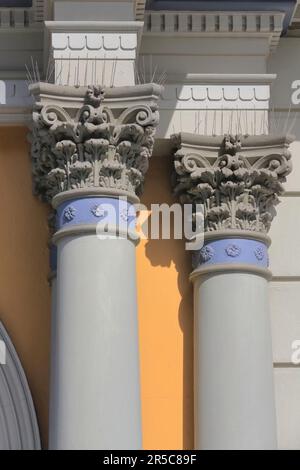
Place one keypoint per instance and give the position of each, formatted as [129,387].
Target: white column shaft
[95,399]
[234,394]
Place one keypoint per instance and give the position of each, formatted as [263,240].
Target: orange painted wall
[24,290]
[164,297]
[165,320]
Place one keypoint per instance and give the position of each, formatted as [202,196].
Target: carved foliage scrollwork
[237,192]
[94,149]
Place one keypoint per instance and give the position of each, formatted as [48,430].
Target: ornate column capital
[85,143]
[237,178]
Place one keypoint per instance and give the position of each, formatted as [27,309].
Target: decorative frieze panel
[96,148]
[237,178]
[84,50]
[83,45]
[216,96]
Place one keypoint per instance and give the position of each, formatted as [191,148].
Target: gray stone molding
[140,9]
[95,145]
[216,24]
[232,268]
[16,17]
[18,423]
[117,98]
[84,229]
[237,178]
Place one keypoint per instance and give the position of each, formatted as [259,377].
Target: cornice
[94,26]
[216,24]
[287,7]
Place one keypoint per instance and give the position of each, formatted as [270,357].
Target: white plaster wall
[285,252]
[287,390]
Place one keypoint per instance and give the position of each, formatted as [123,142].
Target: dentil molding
[16,17]
[216,24]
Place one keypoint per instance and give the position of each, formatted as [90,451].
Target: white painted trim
[220,95]
[94,26]
[223,78]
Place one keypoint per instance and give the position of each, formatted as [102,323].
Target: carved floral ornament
[95,148]
[237,178]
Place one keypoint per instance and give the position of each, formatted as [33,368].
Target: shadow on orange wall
[24,290]
[166,327]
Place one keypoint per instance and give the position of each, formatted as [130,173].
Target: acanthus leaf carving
[92,149]
[238,181]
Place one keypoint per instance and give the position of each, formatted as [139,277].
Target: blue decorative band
[93,210]
[232,251]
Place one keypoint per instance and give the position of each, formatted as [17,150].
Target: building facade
[112,340]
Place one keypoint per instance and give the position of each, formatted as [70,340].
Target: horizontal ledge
[91,229]
[33,28]
[93,192]
[251,141]
[286,278]
[214,11]
[130,92]
[285,365]
[94,26]
[223,78]
[230,268]
[213,34]
[291,194]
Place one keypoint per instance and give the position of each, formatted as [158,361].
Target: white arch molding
[18,423]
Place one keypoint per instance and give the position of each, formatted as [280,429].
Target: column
[237,180]
[91,168]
